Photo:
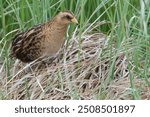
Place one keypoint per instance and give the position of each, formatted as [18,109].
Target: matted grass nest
[81,70]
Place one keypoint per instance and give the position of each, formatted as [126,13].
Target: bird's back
[26,45]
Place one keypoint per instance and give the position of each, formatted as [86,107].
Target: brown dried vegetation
[79,71]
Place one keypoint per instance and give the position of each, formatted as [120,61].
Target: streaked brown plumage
[42,40]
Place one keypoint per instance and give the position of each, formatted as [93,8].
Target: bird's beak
[74,20]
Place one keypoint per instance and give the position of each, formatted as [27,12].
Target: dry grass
[80,71]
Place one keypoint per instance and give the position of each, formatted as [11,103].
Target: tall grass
[125,22]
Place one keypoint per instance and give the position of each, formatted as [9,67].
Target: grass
[107,56]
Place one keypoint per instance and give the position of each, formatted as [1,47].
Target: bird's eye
[68,17]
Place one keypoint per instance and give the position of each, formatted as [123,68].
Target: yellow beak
[74,20]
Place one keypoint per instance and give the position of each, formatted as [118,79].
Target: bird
[42,40]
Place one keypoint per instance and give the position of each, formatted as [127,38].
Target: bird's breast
[53,42]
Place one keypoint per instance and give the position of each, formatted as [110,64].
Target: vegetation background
[126,26]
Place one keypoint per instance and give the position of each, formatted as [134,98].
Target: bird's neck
[56,26]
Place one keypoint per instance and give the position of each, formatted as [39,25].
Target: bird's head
[66,17]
